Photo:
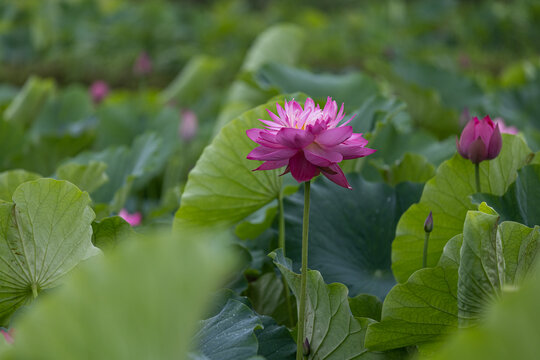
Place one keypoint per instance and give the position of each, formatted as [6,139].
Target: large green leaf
[351,232]
[520,202]
[447,196]
[141,301]
[44,233]
[509,331]
[229,335]
[423,309]
[222,188]
[481,269]
[10,180]
[331,329]
[87,177]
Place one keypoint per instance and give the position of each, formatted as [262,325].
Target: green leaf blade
[44,234]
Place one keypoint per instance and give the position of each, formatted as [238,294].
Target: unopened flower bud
[480,140]
[428,225]
[306,347]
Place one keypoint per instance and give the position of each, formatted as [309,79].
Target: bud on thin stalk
[480,140]
[306,347]
[428,228]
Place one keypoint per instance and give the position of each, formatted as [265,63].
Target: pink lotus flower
[132,219]
[99,91]
[8,335]
[505,129]
[143,64]
[188,126]
[308,141]
[480,140]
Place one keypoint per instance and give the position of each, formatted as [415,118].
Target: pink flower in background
[143,64]
[133,219]
[308,141]
[99,91]
[505,129]
[188,125]
[480,140]
[8,335]
[464,117]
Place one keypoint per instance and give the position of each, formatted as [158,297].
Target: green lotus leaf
[44,234]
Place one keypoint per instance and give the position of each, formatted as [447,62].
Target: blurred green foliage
[55,37]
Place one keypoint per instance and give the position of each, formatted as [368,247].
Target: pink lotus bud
[133,219]
[99,91]
[8,335]
[189,125]
[480,140]
[143,64]
[505,129]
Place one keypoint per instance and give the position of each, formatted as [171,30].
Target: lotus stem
[424,258]
[303,282]
[281,244]
[477,176]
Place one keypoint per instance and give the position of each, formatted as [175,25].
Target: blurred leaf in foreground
[140,301]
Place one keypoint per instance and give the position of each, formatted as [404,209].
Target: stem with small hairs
[424,259]
[281,244]
[303,281]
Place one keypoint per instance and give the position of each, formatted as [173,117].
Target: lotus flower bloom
[132,219]
[480,140]
[308,141]
[505,129]
[143,64]
[99,91]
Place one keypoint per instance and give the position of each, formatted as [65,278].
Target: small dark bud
[307,349]
[428,225]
